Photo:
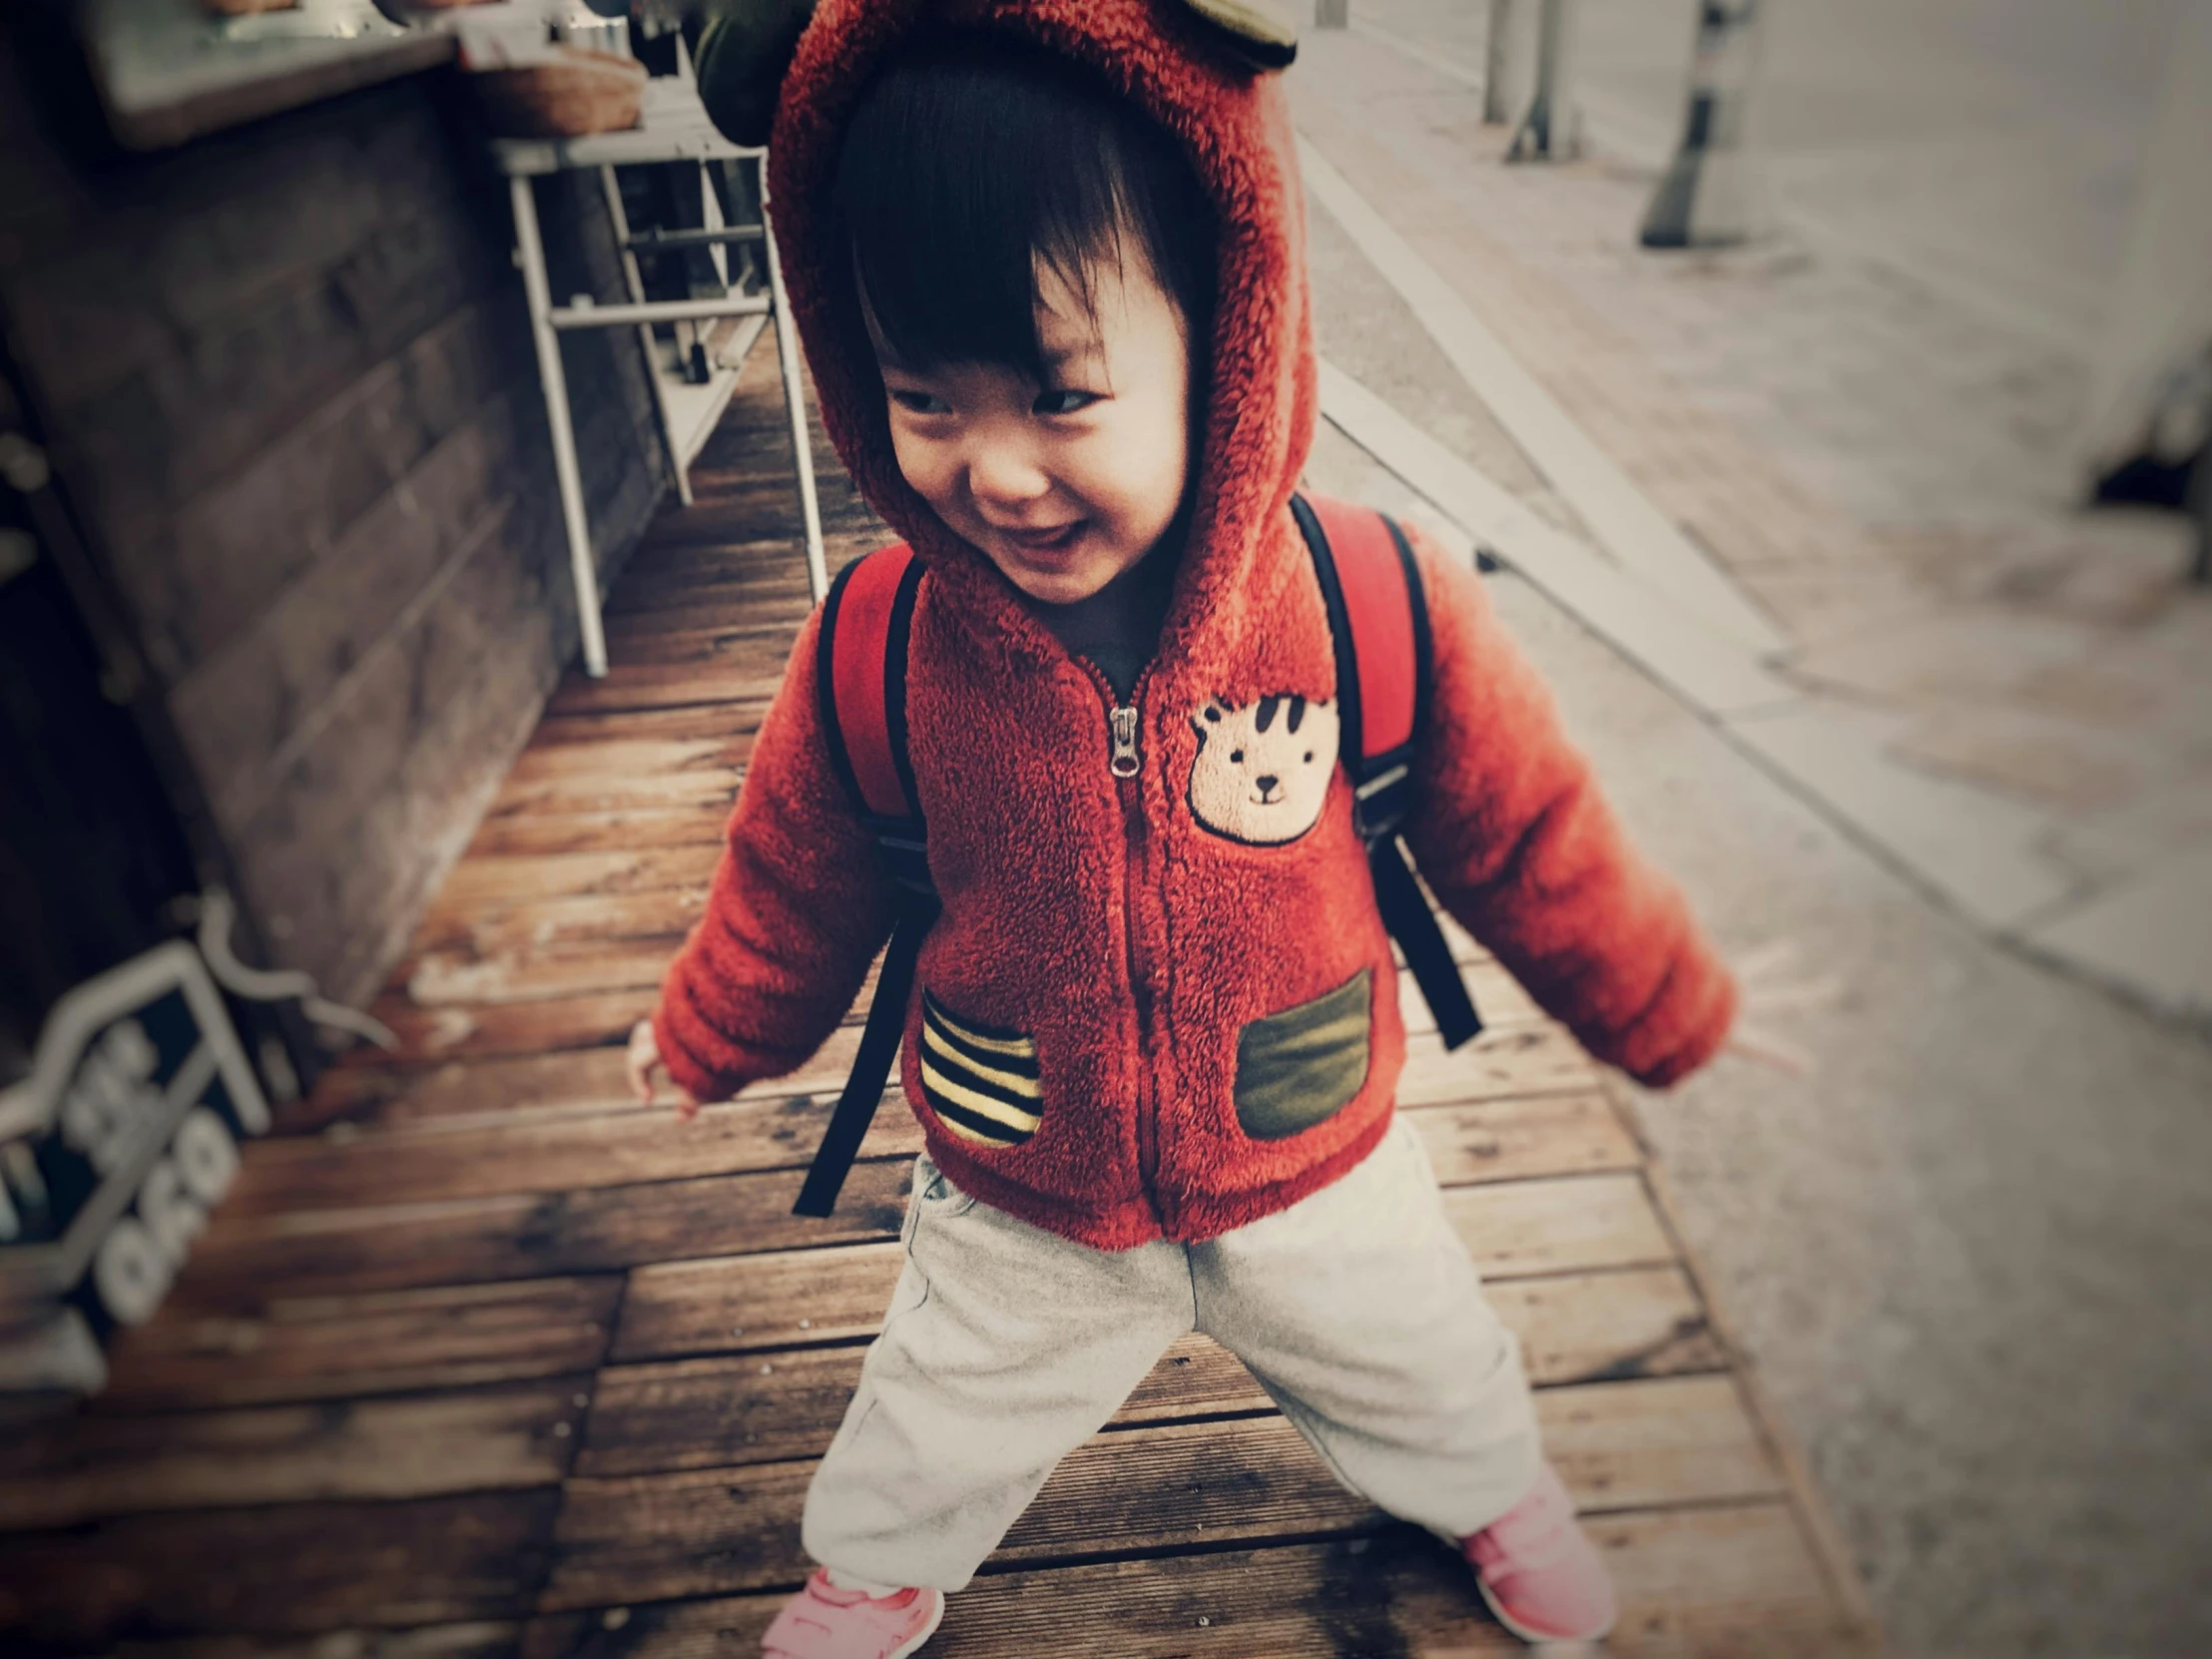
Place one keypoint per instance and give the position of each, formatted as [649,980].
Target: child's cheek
[920,462]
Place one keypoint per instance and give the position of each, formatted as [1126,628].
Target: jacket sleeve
[1512,835]
[797,907]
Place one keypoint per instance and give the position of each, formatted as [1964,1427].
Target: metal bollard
[1551,131]
[1710,196]
[1333,14]
[1505,63]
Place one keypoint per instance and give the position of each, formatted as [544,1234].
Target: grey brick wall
[290,384]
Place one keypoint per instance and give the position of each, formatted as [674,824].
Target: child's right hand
[642,1061]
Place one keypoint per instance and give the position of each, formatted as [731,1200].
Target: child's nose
[1004,475]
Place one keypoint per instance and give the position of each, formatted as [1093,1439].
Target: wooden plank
[1609,1327]
[479,1639]
[755,644]
[469,979]
[709,723]
[396,1246]
[1172,1486]
[511,1088]
[435,1162]
[1569,1225]
[479,1157]
[335,1348]
[619,755]
[550,921]
[478,885]
[420,1445]
[1508,1140]
[596,795]
[588,1019]
[597,832]
[1720,1582]
[698,606]
[668,685]
[771,1406]
[286,1568]
[1499,1065]
[737,1304]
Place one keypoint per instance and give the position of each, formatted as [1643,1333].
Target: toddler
[1047,259]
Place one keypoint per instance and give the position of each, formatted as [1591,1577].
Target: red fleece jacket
[1130,1031]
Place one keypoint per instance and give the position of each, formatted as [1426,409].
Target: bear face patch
[1263,771]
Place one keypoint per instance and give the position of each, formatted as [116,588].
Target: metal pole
[1710,196]
[2200,506]
[619,217]
[1501,55]
[530,251]
[795,399]
[590,315]
[1551,129]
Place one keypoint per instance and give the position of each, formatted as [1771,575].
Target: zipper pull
[1123,723]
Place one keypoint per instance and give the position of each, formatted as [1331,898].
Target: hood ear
[740,50]
[1254,30]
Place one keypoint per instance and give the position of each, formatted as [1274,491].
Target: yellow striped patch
[982,1083]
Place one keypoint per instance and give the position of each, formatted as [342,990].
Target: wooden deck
[480,1357]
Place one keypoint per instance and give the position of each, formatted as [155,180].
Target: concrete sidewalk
[2010,699]
[1966,1255]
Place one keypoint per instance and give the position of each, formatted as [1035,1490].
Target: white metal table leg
[555,384]
[795,400]
[619,217]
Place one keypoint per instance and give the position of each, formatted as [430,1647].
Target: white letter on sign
[206,1154]
[132,1272]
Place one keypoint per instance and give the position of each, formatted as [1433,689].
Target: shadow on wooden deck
[480,1357]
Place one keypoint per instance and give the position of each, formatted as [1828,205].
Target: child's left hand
[642,1063]
[1769,989]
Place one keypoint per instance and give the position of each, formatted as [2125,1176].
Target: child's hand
[642,1061]
[1769,988]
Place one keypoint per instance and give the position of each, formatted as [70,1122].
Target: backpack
[1379,623]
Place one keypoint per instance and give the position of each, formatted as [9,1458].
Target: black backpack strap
[861,687]
[1379,622]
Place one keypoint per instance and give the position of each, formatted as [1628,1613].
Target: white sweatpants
[1006,1346]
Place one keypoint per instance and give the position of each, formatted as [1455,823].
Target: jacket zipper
[1125,759]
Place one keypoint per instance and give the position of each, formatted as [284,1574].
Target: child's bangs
[968,163]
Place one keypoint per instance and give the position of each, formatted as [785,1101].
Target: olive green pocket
[1299,1067]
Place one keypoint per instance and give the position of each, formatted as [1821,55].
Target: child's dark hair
[973,157]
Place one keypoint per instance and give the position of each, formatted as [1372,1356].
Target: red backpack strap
[1379,623]
[1378,619]
[861,682]
[860,674]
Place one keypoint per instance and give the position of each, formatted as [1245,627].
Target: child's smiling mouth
[1050,539]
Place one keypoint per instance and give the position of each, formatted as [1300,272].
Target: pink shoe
[1541,1574]
[824,1622]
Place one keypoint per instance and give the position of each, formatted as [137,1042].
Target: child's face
[1066,485]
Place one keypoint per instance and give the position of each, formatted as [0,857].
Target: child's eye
[1064,402]
[919,403]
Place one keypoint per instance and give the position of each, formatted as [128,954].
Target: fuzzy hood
[1232,123]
